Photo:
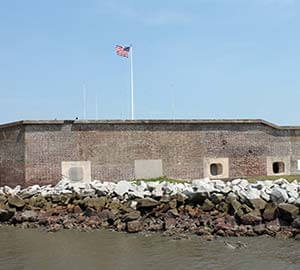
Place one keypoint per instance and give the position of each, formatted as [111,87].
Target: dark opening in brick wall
[278,167]
[216,169]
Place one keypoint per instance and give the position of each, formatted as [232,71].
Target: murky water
[32,249]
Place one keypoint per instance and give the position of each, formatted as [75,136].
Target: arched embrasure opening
[216,169]
[278,167]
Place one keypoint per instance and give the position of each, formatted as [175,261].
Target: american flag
[122,51]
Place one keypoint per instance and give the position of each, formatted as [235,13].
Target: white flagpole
[84,102]
[131,82]
[97,107]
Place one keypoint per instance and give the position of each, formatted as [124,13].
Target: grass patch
[161,179]
[289,178]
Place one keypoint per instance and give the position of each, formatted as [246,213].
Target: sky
[199,59]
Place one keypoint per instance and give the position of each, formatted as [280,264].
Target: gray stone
[258,203]
[207,205]
[279,195]
[252,218]
[16,201]
[29,215]
[134,215]
[270,212]
[134,226]
[296,223]
[146,203]
[6,214]
[288,211]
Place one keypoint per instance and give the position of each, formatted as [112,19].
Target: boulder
[122,187]
[16,201]
[146,203]
[288,211]
[259,229]
[134,226]
[222,207]
[158,191]
[173,203]
[270,212]
[264,195]
[107,215]
[217,198]
[278,195]
[134,215]
[296,223]
[6,214]
[179,197]
[38,201]
[29,215]
[174,212]
[170,223]
[90,212]
[257,203]
[252,193]
[237,207]
[203,186]
[96,203]
[219,185]
[207,205]
[197,197]
[252,218]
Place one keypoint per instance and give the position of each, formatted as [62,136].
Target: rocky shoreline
[204,207]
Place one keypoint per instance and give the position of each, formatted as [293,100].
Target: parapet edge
[150,121]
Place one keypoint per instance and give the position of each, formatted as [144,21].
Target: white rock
[122,187]
[243,183]
[169,188]
[180,187]
[279,195]
[152,185]
[235,181]
[203,185]
[291,200]
[158,191]
[226,190]
[258,186]
[252,193]
[293,194]
[265,195]
[133,204]
[32,190]
[281,181]
[291,188]
[200,181]
[297,202]
[236,188]
[218,184]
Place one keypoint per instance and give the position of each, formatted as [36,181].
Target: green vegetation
[161,179]
[289,178]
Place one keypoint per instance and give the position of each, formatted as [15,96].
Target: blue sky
[192,59]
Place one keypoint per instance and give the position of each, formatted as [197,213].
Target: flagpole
[84,102]
[131,82]
[97,107]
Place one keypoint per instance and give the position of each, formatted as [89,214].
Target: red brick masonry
[32,151]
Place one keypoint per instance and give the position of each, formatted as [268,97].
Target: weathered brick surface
[112,147]
[12,156]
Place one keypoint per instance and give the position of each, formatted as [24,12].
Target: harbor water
[27,249]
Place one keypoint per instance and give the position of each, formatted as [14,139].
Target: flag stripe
[122,51]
